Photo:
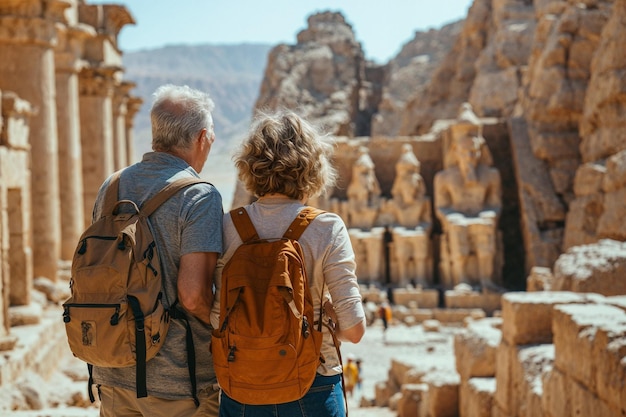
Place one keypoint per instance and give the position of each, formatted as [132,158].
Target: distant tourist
[385,315]
[350,374]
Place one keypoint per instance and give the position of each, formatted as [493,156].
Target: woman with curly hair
[284,162]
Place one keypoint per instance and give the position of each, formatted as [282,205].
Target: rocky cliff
[551,70]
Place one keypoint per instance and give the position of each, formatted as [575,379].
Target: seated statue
[409,203]
[468,202]
[363,192]
[412,222]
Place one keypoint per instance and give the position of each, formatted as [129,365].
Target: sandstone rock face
[323,75]
[553,97]
[598,209]
[499,66]
[409,73]
[452,81]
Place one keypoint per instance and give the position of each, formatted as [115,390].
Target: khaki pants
[119,402]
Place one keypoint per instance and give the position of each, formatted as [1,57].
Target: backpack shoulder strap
[300,223]
[112,194]
[169,190]
[243,224]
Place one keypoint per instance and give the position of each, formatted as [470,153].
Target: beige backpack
[115,316]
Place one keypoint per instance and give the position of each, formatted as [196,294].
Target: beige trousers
[119,402]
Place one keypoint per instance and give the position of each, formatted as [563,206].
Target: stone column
[68,65]
[132,107]
[5,283]
[96,87]
[27,67]
[120,109]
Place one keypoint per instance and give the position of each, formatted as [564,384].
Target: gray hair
[178,114]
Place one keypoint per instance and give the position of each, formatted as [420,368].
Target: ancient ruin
[67,118]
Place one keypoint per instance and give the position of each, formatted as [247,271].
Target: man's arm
[195,283]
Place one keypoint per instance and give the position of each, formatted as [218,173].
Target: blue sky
[382,27]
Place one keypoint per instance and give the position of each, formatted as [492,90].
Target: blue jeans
[324,399]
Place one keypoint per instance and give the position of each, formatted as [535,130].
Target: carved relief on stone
[22,8]
[468,202]
[97,82]
[21,30]
[70,46]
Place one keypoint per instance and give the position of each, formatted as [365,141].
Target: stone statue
[411,209]
[363,192]
[368,251]
[468,203]
[410,205]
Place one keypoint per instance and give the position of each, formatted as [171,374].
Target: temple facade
[66,124]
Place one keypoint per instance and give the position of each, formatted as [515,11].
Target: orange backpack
[266,349]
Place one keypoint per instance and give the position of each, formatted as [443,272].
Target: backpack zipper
[115,318]
[83,243]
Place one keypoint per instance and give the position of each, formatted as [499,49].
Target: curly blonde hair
[285,154]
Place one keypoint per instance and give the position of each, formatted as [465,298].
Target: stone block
[382,393]
[443,394]
[420,315]
[594,268]
[531,364]
[412,396]
[527,317]
[476,397]
[556,401]
[475,348]
[609,353]
[586,403]
[489,302]
[457,315]
[575,331]
[506,354]
[540,279]
[423,298]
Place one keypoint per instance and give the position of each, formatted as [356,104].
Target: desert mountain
[230,73]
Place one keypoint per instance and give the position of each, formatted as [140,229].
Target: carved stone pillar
[120,109]
[132,107]
[27,67]
[68,64]
[96,87]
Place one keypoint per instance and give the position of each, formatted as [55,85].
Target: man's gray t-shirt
[190,221]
